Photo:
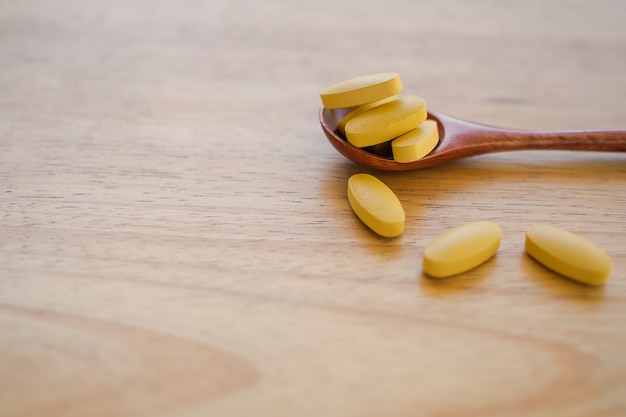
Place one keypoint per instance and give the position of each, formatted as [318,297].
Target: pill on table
[386,122]
[568,254]
[376,205]
[341,126]
[361,90]
[416,143]
[461,249]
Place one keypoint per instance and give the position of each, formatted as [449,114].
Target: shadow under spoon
[460,139]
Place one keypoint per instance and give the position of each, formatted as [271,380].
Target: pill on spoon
[376,205]
[361,90]
[461,249]
[341,125]
[568,254]
[416,143]
[386,122]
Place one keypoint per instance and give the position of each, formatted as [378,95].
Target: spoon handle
[474,139]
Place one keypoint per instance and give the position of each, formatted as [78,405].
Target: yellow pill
[416,143]
[568,254]
[341,126]
[361,90]
[461,249]
[376,205]
[386,122]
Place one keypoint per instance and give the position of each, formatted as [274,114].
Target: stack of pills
[377,118]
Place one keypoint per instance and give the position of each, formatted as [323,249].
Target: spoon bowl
[460,139]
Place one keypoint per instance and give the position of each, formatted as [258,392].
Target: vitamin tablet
[361,90]
[376,205]
[461,249]
[568,254]
[416,143]
[341,126]
[386,122]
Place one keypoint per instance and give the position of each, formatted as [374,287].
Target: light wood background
[175,234]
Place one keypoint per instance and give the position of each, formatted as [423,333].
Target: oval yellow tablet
[376,205]
[341,126]
[416,143]
[361,90]
[386,122]
[568,254]
[461,249]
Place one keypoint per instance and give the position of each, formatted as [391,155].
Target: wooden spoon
[460,139]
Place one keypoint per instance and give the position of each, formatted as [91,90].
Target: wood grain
[175,238]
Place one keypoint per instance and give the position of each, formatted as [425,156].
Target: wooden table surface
[176,238]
